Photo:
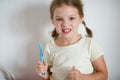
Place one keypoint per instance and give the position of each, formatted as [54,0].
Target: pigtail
[54,34]
[89,32]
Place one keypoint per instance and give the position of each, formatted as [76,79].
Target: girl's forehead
[65,9]
[63,6]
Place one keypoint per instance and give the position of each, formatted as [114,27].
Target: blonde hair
[75,3]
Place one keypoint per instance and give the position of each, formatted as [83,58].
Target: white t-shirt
[79,54]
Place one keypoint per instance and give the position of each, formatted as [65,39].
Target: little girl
[71,56]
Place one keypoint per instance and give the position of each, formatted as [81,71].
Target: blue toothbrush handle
[41,53]
[41,57]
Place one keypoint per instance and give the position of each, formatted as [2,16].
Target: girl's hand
[75,74]
[42,68]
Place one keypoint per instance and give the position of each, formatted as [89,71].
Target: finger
[38,72]
[40,67]
[71,77]
[39,62]
[41,72]
[71,74]
[73,68]
[46,65]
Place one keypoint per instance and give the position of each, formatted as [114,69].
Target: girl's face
[66,20]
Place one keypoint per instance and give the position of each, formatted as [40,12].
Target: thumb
[46,65]
[73,68]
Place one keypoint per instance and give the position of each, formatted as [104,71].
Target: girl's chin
[67,36]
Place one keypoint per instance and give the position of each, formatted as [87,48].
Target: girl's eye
[72,18]
[59,19]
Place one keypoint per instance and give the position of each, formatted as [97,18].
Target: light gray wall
[26,23]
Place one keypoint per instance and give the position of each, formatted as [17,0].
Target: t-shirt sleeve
[47,55]
[95,50]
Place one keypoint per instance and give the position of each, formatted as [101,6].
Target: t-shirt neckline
[78,42]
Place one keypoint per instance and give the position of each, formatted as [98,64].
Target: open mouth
[66,31]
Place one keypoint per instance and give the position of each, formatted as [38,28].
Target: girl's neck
[67,41]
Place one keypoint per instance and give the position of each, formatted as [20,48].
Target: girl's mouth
[66,31]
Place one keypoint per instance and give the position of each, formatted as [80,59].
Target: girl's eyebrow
[57,16]
[73,15]
[69,16]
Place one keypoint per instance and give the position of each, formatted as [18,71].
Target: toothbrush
[41,53]
[41,56]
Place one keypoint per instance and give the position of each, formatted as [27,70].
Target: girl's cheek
[57,24]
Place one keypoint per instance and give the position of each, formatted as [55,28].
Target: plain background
[26,23]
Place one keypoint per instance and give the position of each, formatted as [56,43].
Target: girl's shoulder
[88,39]
[50,43]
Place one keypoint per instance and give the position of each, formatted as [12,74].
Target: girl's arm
[100,68]
[100,74]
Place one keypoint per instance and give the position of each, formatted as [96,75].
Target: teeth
[66,30]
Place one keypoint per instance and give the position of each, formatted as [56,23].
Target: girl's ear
[52,20]
[81,19]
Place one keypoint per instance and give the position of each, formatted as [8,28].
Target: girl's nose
[65,23]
